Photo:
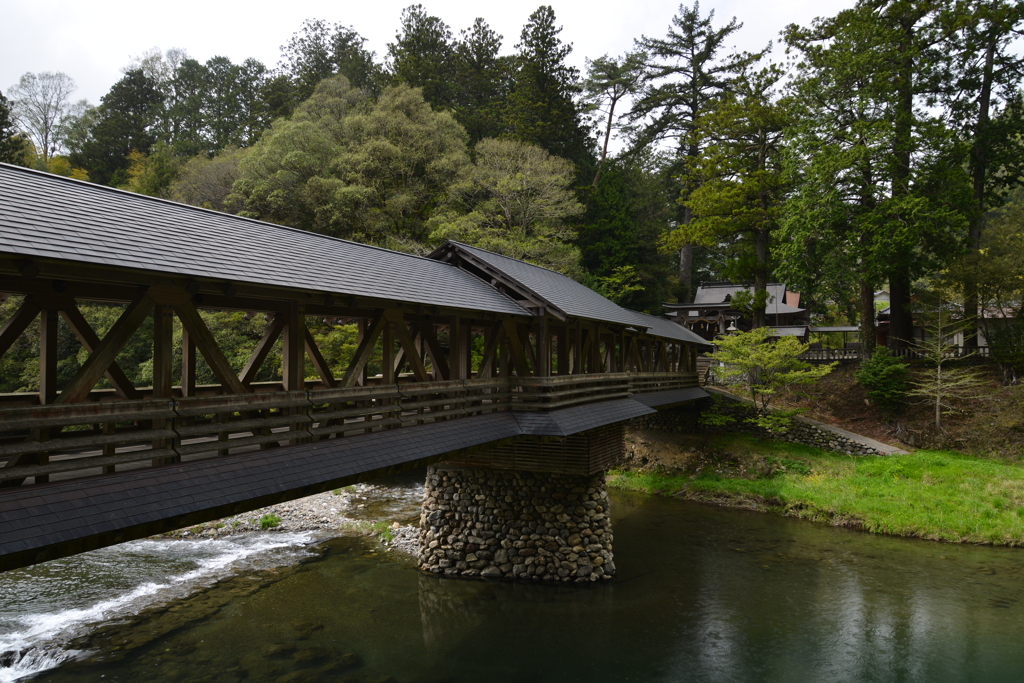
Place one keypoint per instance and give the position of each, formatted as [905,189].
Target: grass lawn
[937,495]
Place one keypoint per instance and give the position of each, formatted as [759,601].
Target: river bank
[934,495]
[371,509]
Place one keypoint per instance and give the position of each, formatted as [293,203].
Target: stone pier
[516,525]
[534,511]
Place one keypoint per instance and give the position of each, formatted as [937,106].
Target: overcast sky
[93,41]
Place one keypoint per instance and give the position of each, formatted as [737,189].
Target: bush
[885,378]
[269,521]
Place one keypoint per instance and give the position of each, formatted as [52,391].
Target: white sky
[92,41]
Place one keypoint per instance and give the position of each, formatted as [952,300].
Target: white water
[41,607]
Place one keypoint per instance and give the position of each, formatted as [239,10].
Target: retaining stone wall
[515,525]
[686,420]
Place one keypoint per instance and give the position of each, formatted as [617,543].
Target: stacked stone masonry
[687,420]
[516,525]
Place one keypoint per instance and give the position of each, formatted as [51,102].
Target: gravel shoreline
[335,513]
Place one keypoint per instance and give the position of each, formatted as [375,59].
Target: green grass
[936,495]
[269,521]
[383,531]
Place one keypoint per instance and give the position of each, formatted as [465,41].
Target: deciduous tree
[516,200]
[42,106]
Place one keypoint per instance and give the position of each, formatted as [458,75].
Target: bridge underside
[48,521]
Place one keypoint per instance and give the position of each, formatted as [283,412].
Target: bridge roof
[661,327]
[48,216]
[554,289]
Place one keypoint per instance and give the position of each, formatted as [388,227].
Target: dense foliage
[888,154]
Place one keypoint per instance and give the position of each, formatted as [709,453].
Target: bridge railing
[85,439]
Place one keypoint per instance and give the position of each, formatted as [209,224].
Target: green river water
[703,594]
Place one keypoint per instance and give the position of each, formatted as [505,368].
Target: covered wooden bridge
[476,351]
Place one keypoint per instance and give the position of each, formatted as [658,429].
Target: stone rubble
[515,525]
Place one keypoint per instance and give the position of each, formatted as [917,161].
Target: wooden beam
[515,348]
[543,366]
[387,356]
[263,347]
[89,340]
[48,321]
[492,337]
[412,353]
[428,333]
[293,367]
[595,350]
[318,361]
[18,323]
[106,351]
[364,350]
[207,345]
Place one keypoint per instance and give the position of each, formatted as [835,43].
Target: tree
[125,122]
[481,80]
[627,213]
[206,182]
[41,104]
[765,366]
[541,105]
[739,182]
[884,377]
[609,81]
[881,191]
[515,200]
[343,166]
[318,51]
[13,145]
[944,387]
[423,56]
[979,90]
[684,73]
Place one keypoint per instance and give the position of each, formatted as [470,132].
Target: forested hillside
[884,152]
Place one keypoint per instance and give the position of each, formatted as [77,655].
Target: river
[703,594]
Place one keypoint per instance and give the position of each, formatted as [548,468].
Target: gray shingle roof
[569,296]
[47,216]
[661,327]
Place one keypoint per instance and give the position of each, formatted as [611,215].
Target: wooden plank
[364,351]
[89,340]
[263,347]
[18,323]
[428,333]
[48,321]
[318,361]
[207,345]
[106,351]
[412,353]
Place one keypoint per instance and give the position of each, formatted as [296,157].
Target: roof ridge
[488,251]
[161,200]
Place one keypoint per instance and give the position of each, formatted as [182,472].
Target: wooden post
[595,350]
[456,348]
[163,346]
[388,354]
[563,350]
[48,321]
[543,367]
[188,364]
[293,368]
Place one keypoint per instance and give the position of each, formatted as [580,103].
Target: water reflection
[703,594]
